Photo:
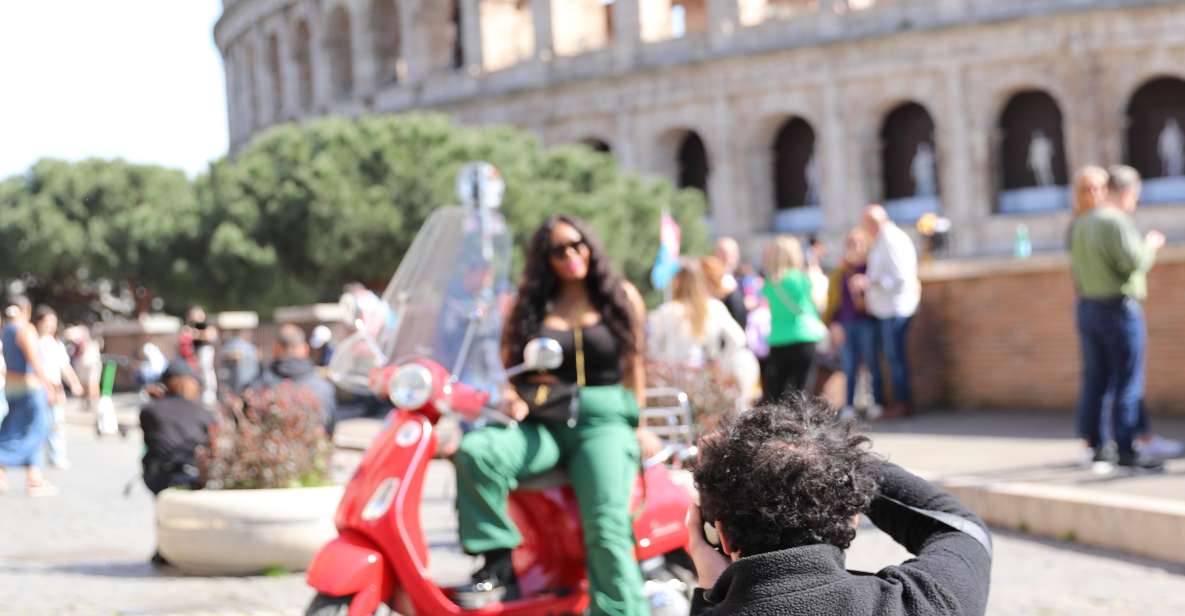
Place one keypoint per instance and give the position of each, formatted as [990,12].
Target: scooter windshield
[447,296]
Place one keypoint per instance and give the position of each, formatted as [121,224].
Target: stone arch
[597,144]
[388,43]
[1155,140]
[276,70]
[580,26]
[672,19]
[458,49]
[795,176]
[682,155]
[338,45]
[691,161]
[907,133]
[302,58]
[508,33]
[1031,155]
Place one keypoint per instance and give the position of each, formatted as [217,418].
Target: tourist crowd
[39,366]
[785,327]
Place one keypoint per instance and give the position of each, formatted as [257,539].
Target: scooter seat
[555,478]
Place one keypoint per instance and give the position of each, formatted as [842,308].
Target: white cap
[320,337]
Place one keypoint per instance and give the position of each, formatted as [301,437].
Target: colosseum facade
[789,114]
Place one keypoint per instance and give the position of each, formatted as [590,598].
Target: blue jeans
[1113,338]
[894,334]
[860,342]
[25,429]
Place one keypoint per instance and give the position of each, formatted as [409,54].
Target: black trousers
[786,370]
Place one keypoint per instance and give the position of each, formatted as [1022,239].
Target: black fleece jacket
[949,575]
[303,373]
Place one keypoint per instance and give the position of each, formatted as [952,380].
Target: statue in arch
[923,171]
[1171,147]
[1041,158]
[813,181]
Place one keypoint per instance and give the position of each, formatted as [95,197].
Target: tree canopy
[305,208]
[108,235]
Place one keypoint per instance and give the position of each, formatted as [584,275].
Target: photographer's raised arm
[951,544]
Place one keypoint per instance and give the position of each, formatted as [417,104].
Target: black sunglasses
[558,251]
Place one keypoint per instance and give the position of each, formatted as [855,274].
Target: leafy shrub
[268,438]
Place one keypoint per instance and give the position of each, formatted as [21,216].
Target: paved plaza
[85,551]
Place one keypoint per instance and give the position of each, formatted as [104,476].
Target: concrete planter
[239,532]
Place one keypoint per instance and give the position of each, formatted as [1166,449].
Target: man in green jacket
[1110,261]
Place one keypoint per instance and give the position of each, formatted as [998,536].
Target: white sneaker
[847,413]
[874,412]
[1158,447]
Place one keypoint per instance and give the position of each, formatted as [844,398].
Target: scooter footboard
[352,565]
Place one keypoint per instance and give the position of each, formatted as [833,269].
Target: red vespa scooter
[435,356]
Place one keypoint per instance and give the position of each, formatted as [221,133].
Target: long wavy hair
[606,291]
[690,287]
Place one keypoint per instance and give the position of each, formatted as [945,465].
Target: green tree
[300,211]
[108,236]
[303,209]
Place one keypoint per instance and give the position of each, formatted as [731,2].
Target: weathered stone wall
[841,65]
[1000,334]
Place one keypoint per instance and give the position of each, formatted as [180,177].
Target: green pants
[601,455]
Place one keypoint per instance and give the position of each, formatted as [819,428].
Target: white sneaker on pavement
[874,412]
[1159,447]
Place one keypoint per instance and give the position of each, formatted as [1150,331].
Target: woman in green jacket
[795,324]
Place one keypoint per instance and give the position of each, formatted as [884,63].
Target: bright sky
[133,79]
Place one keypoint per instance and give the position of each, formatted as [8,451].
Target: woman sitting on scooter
[569,292]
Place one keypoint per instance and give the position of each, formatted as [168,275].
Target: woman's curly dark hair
[606,291]
[785,474]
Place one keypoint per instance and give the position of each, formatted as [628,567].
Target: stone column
[625,147]
[471,35]
[541,20]
[318,56]
[289,71]
[362,49]
[727,215]
[627,32]
[263,78]
[415,53]
[956,191]
[839,210]
[232,92]
[243,89]
[723,22]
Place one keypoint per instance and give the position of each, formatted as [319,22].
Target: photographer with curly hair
[782,487]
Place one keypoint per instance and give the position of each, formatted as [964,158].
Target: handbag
[557,404]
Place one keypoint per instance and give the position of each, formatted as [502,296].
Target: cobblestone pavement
[85,551]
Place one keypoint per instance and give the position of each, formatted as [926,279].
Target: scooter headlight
[411,387]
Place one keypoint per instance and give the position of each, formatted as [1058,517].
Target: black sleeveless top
[603,363]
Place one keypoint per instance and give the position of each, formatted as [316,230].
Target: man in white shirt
[892,291]
[56,362]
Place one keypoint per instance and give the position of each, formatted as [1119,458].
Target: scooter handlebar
[498,417]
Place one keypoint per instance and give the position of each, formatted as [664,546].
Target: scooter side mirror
[543,354]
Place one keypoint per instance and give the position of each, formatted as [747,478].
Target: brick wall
[1000,334]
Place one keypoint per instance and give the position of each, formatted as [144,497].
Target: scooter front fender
[352,565]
